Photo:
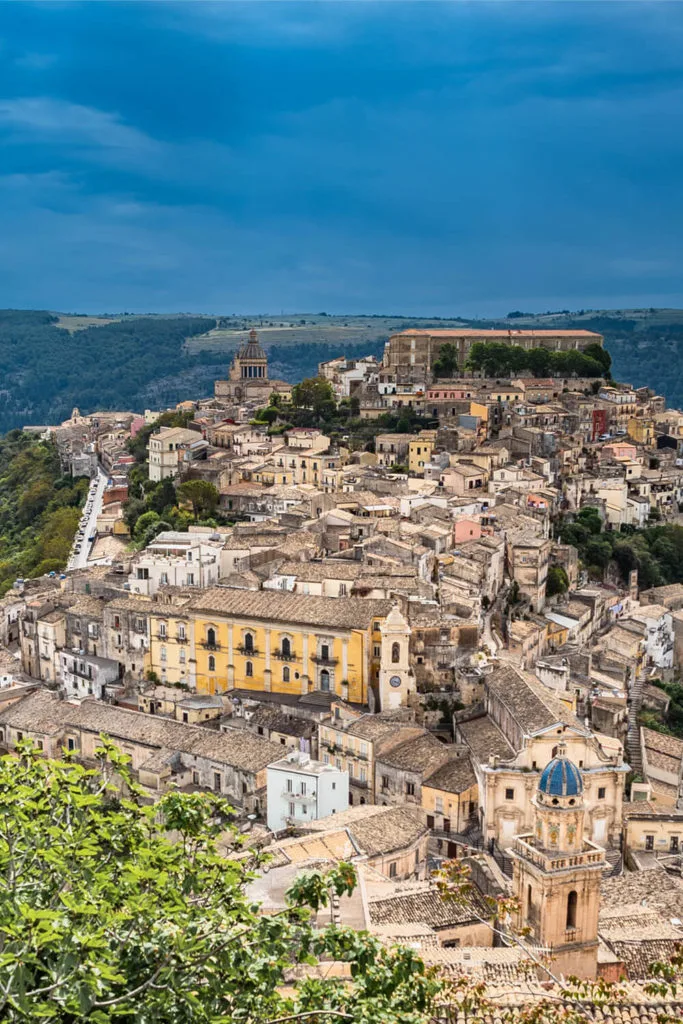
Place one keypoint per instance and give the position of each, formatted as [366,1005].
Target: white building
[302,790]
[179,560]
[165,451]
[657,624]
[84,675]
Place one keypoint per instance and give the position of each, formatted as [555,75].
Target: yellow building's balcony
[283,656]
[249,652]
[319,660]
[210,647]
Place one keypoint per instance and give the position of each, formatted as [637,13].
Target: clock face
[395,681]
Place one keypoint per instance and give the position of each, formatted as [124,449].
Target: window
[248,643]
[70,743]
[326,758]
[649,842]
[291,810]
[286,648]
[164,579]
[601,792]
[195,778]
[430,821]
[190,579]
[182,635]
[117,622]
[375,627]
[162,654]
[189,556]
[363,775]
[438,805]
[395,653]
[446,824]
[211,637]
[289,785]
[509,794]
[393,869]
[39,744]
[186,717]
[385,782]
[181,656]
[324,652]
[337,763]
[249,669]
[303,788]
[342,590]
[212,663]
[376,650]
[162,629]
[334,785]
[363,750]
[673,842]
[285,675]
[572,900]
[410,789]
[217,782]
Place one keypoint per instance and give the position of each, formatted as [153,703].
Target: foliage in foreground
[113,910]
[39,508]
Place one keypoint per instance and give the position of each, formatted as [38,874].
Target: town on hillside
[407,612]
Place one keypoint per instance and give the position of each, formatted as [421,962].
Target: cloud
[51,120]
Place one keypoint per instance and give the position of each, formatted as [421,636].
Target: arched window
[249,669]
[212,663]
[285,675]
[286,648]
[211,636]
[529,902]
[395,653]
[248,642]
[324,680]
[572,900]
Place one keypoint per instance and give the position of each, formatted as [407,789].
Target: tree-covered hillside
[39,508]
[134,363]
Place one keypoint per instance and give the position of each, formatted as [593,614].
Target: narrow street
[90,514]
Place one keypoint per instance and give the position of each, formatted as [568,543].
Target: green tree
[143,523]
[446,365]
[113,910]
[163,498]
[558,581]
[312,393]
[202,495]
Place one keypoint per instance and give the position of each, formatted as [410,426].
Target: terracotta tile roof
[350,613]
[654,889]
[455,776]
[376,830]
[530,703]
[424,905]
[424,754]
[672,746]
[42,712]
[483,738]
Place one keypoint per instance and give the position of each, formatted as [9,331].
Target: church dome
[252,349]
[561,777]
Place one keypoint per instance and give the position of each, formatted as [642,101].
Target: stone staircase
[635,757]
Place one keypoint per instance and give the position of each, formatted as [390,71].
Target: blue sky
[420,158]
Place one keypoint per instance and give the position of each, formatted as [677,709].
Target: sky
[418,158]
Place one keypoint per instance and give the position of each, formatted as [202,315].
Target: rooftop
[321,612]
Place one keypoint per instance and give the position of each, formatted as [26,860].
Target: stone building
[248,380]
[557,873]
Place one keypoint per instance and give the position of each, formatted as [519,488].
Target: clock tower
[396,677]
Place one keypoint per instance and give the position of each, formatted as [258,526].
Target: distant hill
[134,363]
[52,362]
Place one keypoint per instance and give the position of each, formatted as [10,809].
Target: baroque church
[248,382]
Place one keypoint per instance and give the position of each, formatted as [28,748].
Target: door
[446,824]
[599,830]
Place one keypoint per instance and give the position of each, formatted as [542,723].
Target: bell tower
[396,677]
[557,873]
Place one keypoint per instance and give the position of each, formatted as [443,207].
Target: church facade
[248,382]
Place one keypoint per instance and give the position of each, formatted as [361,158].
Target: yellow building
[285,643]
[641,431]
[450,797]
[420,451]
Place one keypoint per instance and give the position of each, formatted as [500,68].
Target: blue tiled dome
[561,777]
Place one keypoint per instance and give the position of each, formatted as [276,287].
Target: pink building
[465,529]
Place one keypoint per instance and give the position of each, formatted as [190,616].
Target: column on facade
[231,666]
[267,673]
